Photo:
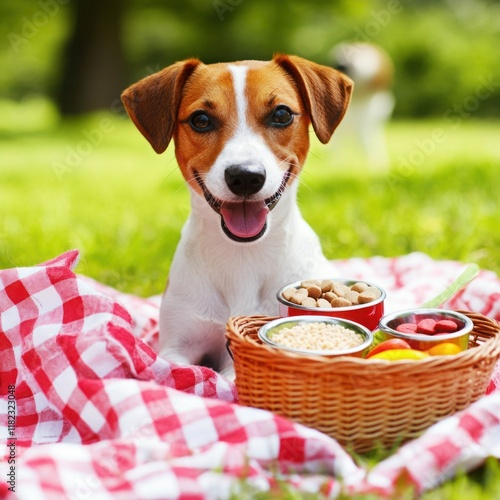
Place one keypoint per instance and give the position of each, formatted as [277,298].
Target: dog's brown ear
[325,91]
[153,102]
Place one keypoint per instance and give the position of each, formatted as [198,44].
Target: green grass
[123,206]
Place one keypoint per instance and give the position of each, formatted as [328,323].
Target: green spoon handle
[469,273]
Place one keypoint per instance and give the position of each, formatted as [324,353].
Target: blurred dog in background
[372,104]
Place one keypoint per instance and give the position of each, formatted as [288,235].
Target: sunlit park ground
[96,185]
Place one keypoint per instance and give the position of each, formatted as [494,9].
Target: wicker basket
[361,403]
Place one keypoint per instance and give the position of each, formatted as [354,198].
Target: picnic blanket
[88,410]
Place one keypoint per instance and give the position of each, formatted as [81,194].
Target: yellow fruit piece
[398,354]
[444,349]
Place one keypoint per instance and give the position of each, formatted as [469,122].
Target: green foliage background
[441,48]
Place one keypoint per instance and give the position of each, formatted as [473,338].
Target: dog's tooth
[273,203]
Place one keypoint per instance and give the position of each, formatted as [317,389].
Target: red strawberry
[407,328]
[426,326]
[446,326]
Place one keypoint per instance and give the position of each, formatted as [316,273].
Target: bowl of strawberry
[424,329]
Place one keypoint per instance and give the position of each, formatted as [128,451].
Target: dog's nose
[244,180]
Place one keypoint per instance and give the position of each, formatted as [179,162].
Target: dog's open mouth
[245,220]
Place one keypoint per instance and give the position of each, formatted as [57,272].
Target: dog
[241,135]
[372,104]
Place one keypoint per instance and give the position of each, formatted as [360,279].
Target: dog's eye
[200,122]
[282,116]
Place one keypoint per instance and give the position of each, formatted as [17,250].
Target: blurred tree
[93,69]
[227,30]
[442,49]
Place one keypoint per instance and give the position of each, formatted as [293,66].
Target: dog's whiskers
[214,202]
[273,200]
[174,169]
[301,181]
[185,183]
[294,175]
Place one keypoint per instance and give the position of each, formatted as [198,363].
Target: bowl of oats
[317,335]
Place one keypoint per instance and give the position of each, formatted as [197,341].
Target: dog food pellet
[353,297]
[309,302]
[323,303]
[317,336]
[366,296]
[298,298]
[340,289]
[308,283]
[314,291]
[340,302]
[326,286]
[289,293]
[359,287]
[328,293]
[429,326]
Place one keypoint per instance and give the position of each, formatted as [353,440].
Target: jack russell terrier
[241,134]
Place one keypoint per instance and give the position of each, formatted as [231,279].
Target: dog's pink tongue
[244,219]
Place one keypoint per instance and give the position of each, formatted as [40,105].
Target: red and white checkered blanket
[88,410]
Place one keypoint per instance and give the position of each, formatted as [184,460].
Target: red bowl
[368,314]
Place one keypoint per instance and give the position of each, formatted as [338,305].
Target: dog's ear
[153,102]
[325,91]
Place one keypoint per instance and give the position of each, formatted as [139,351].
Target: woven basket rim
[488,348]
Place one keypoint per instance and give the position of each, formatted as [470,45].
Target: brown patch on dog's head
[153,102]
[325,91]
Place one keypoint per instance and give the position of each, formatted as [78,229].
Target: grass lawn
[96,185]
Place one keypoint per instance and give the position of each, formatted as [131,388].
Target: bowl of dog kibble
[317,335]
[427,328]
[358,301]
